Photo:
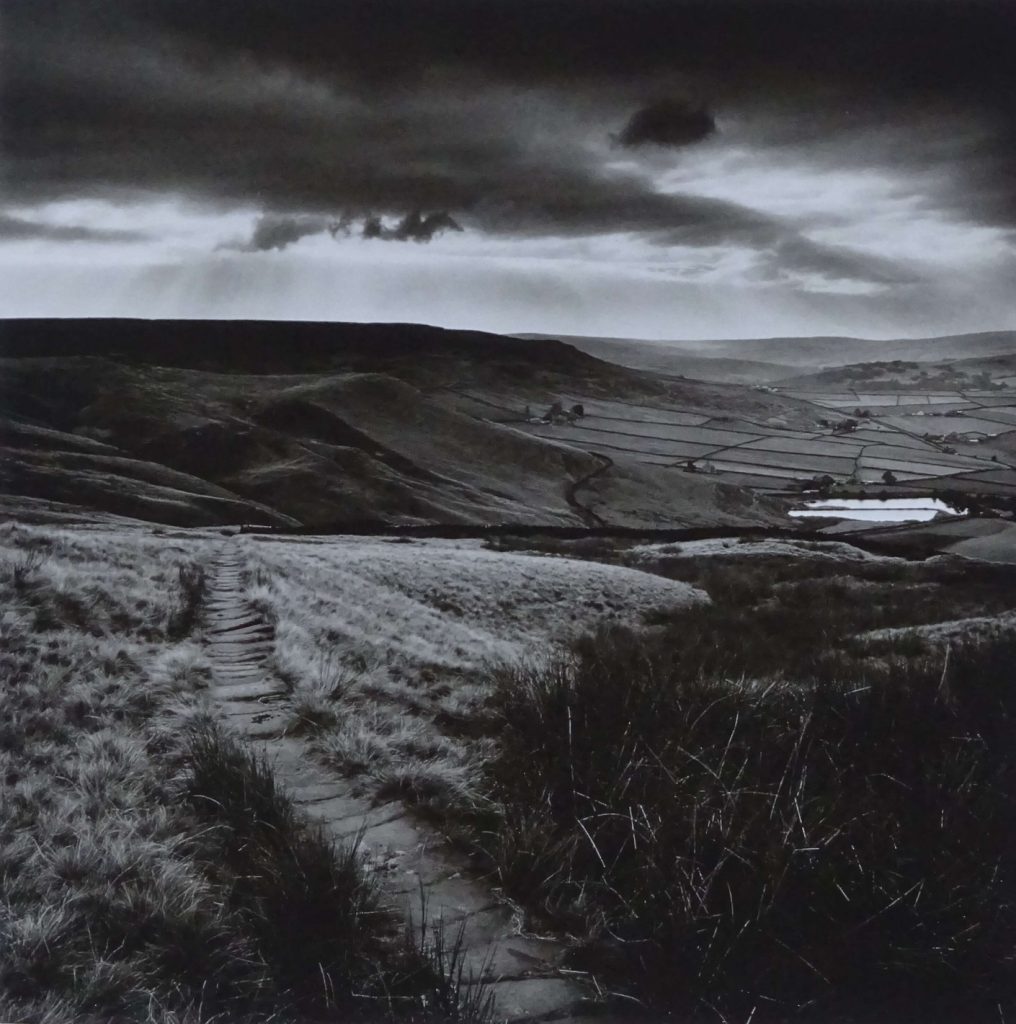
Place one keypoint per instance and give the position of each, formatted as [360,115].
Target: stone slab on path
[246,689]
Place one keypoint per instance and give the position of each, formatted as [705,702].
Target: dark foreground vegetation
[150,871]
[316,918]
[753,813]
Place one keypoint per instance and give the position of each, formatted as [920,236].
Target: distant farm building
[559,415]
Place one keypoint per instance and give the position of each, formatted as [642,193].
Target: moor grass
[106,912]
[759,807]
[150,869]
[385,647]
[751,812]
[762,807]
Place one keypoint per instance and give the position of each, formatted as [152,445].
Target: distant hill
[211,422]
[761,360]
[268,346]
[664,357]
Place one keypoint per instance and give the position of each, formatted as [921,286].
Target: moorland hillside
[210,422]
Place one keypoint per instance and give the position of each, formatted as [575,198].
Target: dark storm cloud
[276,231]
[838,263]
[414,227]
[18,229]
[279,231]
[905,46]
[376,109]
[667,122]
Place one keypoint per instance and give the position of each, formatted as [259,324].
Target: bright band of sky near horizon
[789,213]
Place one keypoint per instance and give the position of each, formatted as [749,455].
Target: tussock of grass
[405,757]
[192,588]
[830,847]
[22,567]
[314,911]
[454,994]
[183,667]
[315,699]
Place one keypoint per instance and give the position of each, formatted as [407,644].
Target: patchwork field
[891,399]
[944,415]
[325,425]
[770,456]
[939,417]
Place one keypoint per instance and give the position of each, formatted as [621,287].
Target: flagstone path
[524,971]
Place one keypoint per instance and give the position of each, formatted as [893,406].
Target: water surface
[878,510]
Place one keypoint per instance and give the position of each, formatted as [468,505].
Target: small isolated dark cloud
[17,229]
[414,227]
[667,122]
[276,231]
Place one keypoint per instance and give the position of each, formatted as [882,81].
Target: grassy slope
[384,643]
[100,884]
[763,811]
[827,813]
[764,805]
[479,454]
[149,870]
[219,422]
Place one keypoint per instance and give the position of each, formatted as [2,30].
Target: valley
[313,425]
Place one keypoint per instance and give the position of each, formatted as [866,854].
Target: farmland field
[964,420]
[914,435]
[635,413]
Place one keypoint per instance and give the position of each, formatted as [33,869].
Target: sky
[634,168]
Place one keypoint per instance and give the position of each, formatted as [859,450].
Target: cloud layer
[527,121]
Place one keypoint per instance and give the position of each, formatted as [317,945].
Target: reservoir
[876,510]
